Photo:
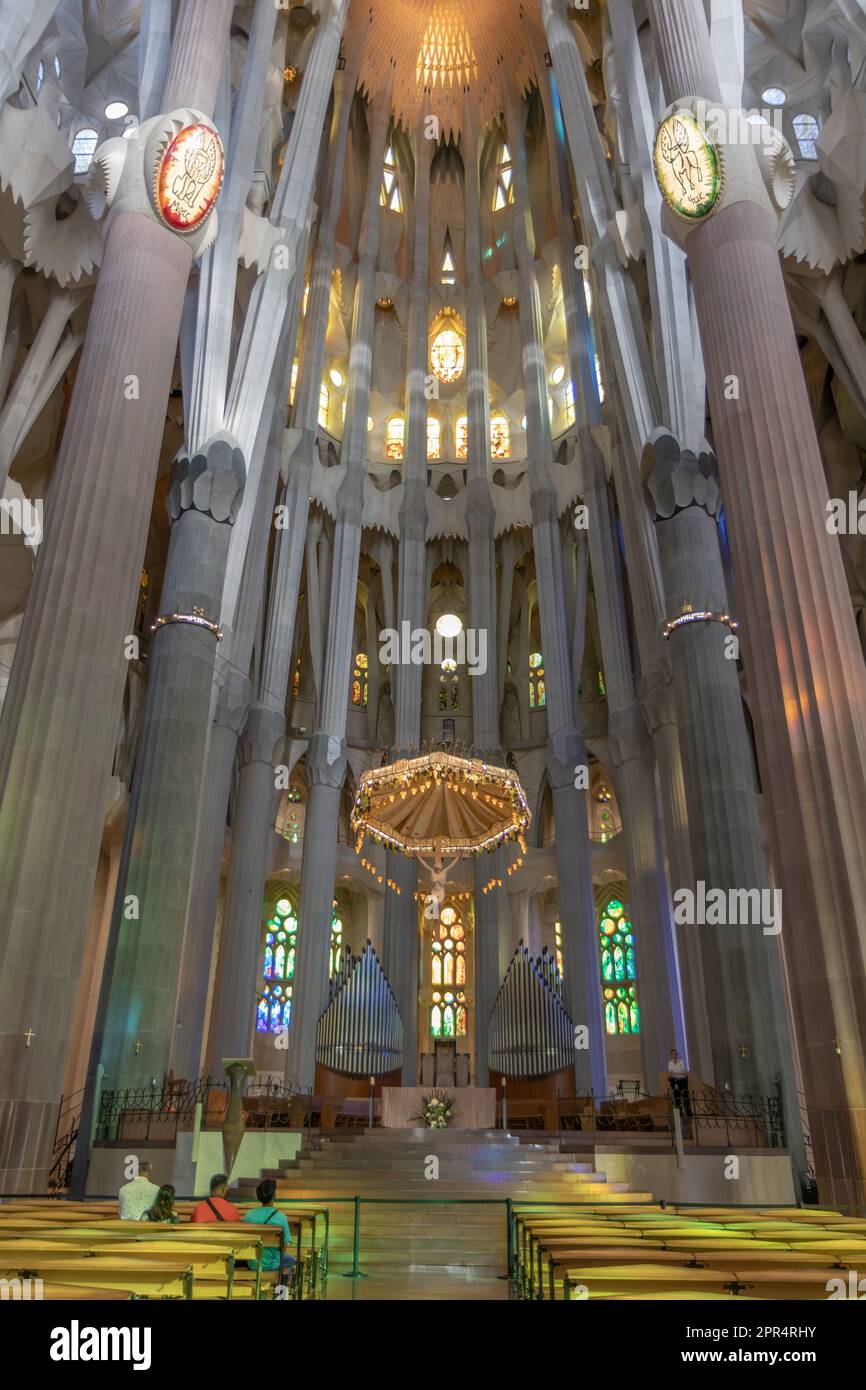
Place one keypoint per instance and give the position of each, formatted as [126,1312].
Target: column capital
[676,478]
[212,481]
[708,156]
[262,738]
[326,761]
[233,701]
[629,737]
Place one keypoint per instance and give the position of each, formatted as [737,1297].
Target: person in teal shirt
[268,1215]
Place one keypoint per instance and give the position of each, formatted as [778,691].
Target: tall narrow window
[335,959]
[449,267]
[461,437]
[570,412]
[448,1012]
[500,437]
[83,148]
[599,380]
[294,384]
[434,437]
[395,434]
[504,181]
[390,196]
[807,130]
[537,683]
[359,681]
[557,932]
[324,405]
[274,1007]
[618,970]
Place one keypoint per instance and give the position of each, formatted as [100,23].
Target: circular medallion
[687,165]
[188,178]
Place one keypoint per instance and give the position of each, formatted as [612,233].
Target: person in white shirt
[678,1076]
[136,1198]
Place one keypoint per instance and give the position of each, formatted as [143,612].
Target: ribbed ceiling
[437,48]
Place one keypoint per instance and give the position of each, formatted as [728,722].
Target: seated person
[216,1207]
[163,1210]
[136,1198]
[268,1215]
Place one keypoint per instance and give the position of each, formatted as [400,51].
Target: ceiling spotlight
[557,375]
[337,377]
[449,625]
[116,110]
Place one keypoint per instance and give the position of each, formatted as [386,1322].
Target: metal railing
[158,1113]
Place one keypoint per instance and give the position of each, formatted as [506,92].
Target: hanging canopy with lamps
[440,805]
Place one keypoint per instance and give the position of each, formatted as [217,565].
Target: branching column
[492,926]
[326,756]
[262,743]
[566,744]
[401,915]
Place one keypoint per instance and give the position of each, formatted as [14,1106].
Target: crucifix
[137,1048]
[29,1035]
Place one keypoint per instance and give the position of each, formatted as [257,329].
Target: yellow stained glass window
[448,355]
[461,437]
[359,681]
[434,437]
[395,436]
[500,437]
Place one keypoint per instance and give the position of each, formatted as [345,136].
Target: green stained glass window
[618,968]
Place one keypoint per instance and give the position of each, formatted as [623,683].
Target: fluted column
[661,1007]
[492,926]
[402,936]
[803,656]
[326,758]
[60,716]
[566,744]
[262,746]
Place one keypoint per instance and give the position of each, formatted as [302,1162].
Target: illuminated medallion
[188,178]
[687,164]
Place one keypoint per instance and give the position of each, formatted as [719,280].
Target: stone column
[402,937]
[262,745]
[636,399]
[631,747]
[492,925]
[326,758]
[60,716]
[202,501]
[803,656]
[566,744]
[745,998]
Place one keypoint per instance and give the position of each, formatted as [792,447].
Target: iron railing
[159,1112]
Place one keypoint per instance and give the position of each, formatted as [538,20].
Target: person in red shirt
[216,1207]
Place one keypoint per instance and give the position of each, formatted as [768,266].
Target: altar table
[474,1106]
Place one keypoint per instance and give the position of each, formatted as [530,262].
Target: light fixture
[337,377]
[385,304]
[449,665]
[557,375]
[449,625]
[509,301]
[116,110]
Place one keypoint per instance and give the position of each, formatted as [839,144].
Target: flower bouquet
[436,1111]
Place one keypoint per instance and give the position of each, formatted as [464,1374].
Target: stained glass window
[359,681]
[500,437]
[335,959]
[537,683]
[461,437]
[296,680]
[557,933]
[274,1005]
[395,434]
[618,970]
[449,266]
[448,1012]
[504,181]
[324,405]
[390,195]
[448,355]
[570,412]
[434,437]
[294,385]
